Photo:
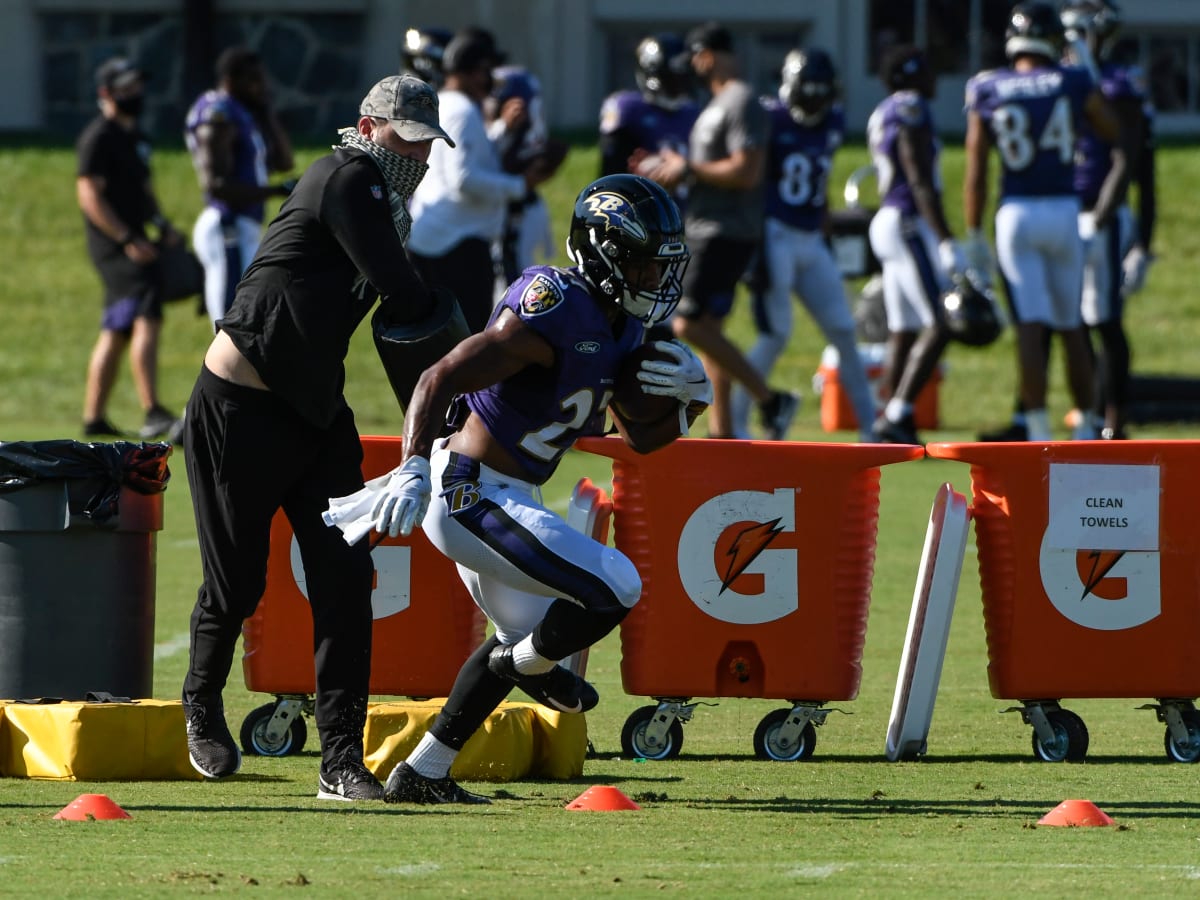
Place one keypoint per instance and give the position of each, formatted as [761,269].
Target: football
[630,401]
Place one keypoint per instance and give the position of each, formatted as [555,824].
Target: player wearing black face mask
[117,201]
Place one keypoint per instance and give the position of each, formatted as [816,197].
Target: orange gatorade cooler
[756,560]
[426,625]
[1088,560]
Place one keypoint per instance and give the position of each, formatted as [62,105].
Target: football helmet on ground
[971,313]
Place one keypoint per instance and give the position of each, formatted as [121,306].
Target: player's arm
[279,145]
[1128,112]
[975,177]
[914,146]
[497,353]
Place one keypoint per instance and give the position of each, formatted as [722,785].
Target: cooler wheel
[771,739]
[636,744]
[1070,742]
[1188,751]
[256,741]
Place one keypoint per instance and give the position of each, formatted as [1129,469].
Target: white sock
[528,661]
[432,758]
[897,410]
[1037,424]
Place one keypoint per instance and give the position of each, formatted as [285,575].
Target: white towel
[352,514]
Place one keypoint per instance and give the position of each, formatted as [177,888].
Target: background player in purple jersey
[910,236]
[807,127]
[537,378]
[659,114]
[235,140]
[1031,114]
[1105,222]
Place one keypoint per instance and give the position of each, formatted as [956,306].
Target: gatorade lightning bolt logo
[1102,562]
[745,549]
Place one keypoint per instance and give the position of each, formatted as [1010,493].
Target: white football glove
[403,498]
[1133,270]
[685,379]
[951,257]
[1087,233]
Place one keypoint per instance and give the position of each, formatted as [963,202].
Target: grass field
[715,821]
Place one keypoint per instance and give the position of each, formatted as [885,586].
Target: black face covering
[131,106]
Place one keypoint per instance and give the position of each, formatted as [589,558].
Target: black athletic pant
[248,454]
[468,272]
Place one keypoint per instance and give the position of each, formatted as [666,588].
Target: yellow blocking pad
[518,739]
[75,741]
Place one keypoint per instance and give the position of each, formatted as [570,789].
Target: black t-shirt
[330,253]
[122,158]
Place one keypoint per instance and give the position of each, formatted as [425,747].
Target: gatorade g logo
[393,583]
[1100,560]
[726,544]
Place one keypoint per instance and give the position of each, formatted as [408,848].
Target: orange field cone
[87,807]
[602,798]
[1076,813]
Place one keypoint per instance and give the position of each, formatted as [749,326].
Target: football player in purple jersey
[910,236]
[1031,113]
[659,114]
[519,394]
[807,127]
[235,140]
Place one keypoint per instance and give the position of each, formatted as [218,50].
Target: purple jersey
[799,158]
[1033,118]
[537,414]
[650,126]
[249,148]
[903,109]
[1093,156]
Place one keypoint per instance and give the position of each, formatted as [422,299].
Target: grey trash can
[77,567]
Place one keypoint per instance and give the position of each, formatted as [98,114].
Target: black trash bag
[95,473]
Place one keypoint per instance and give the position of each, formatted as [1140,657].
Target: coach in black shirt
[115,195]
[268,426]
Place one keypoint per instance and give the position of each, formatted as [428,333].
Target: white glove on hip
[684,379]
[951,257]
[1133,270]
[403,499]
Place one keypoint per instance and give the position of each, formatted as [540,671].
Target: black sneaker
[560,689]
[406,785]
[902,432]
[211,749]
[350,780]
[777,414]
[500,662]
[160,422]
[1014,431]
[102,428]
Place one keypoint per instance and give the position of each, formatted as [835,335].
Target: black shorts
[718,264]
[131,291]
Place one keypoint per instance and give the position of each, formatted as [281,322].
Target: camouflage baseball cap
[409,104]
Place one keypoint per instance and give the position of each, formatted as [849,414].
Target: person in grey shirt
[724,218]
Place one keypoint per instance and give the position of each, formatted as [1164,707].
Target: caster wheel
[1070,742]
[256,742]
[1188,752]
[633,737]
[767,743]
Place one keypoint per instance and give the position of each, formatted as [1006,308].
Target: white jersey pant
[225,250]
[1102,301]
[515,556]
[1040,255]
[799,261]
[906,246]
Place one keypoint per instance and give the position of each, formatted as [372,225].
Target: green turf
[715,821]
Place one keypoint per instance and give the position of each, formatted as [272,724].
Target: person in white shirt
[458,211]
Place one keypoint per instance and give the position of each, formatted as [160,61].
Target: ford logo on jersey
[588,347]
